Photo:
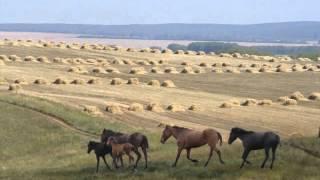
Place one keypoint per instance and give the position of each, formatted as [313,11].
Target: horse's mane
[180,128]
[243,131]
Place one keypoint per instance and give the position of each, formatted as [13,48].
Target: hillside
[292,32]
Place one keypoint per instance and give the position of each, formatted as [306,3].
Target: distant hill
[292,32]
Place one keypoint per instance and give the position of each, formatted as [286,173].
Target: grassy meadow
[34,145]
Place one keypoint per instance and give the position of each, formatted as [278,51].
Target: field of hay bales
[113,87]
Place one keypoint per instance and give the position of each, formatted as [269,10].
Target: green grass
[33,147]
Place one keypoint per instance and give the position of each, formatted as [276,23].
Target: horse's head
[106,133]
[91,146]
[111,140]
[166,134]
[234,134]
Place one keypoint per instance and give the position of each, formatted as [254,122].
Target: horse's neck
[176,133]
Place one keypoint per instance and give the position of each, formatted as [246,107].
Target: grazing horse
[255,141]
[188,139]
[101,150]
[138,140]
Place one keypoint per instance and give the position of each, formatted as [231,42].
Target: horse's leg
[188,156]
[219,154]
[145,154]
[121,160]
[210,155]
[138,156]
[115,159]
[266,150]
[105,162]
[244,157]
[178,156]
[274,148]
[98,162]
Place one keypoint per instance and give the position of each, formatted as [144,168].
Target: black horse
[138,140]
[101,150]
[254,141]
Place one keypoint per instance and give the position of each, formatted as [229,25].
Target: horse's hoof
[195,161]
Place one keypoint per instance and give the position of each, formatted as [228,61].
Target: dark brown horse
[188,139]
[254,141]
[138,140]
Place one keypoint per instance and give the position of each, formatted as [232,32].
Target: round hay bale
[155,107]
[226,105]
[243,65]
[14,87]
[41,81]
[20,81]
[168,83]
[154,83]
[4,58]
[297,69]
[153,62]
[237,55]
[116,81]
[131,50]
[93,110]
[29,59]
[184,63]
[249,102]
[118,62]
[15,58]
[143,63]
[133,81]
[201,53]
[43,59]
[60,80]
[312,69]
[232,70]
[282,69]
[217,65]
[156,70]
[290,102]
[199,70]
[167,51]
[298,96]
[156,51]
[314,96]
[170,70]
[136,107]
[283,98]
[175,108]
[225,64]
[225,55]
[254,71]
[112,70]
[98,70]
[162,61]
[217,71]
[138,70]
[2,63]
[265,102]
[254,65]
[78,81]
[194,107]
[264,70]
[190,53]
[179,52]
[187,70]
[93,81]
[203,64]
[113,109]
[145,50]
[128,62]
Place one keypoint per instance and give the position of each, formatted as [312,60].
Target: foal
[255,141]
[118,150]
[188,139]
[101,150]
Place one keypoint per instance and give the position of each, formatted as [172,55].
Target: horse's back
[272,138]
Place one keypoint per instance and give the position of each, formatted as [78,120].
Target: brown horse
[188,139]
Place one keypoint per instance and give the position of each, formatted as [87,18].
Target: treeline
[219,47]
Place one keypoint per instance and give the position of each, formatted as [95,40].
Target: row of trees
[312,52]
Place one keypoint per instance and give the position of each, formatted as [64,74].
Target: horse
[188,139]
[254,141]
[101,150]
[138,140]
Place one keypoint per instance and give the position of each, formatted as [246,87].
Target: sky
[158,11]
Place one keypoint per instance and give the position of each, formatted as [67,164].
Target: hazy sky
[158,11]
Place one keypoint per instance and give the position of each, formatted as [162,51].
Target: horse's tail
[145,142]
[220,138]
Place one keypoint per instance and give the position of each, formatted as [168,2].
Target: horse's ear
[161,125]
